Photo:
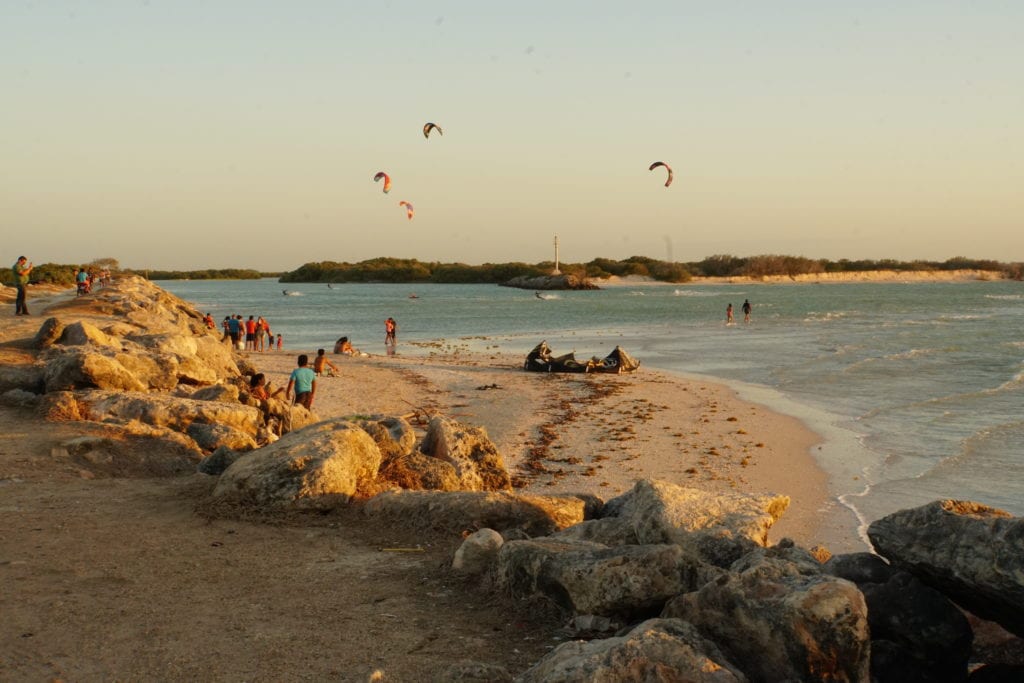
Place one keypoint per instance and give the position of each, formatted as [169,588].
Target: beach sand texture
[119,577]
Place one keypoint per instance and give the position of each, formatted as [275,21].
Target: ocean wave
[696,292]
[1006,297]
[828,316]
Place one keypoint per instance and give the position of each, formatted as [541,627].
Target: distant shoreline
[905,276]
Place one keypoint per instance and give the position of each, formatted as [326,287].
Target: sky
[193,134]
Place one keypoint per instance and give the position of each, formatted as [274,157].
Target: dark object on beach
[541,360]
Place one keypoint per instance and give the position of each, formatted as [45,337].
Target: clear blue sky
[187,134]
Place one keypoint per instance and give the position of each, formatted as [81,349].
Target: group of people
[248,335]
[747,308]
[85,279]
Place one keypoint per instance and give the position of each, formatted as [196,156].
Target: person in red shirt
[250,334]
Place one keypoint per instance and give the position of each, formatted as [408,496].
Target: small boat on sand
[540,359]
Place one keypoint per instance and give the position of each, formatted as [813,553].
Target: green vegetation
[210,274]
[411,270]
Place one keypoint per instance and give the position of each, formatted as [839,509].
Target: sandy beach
[121,577]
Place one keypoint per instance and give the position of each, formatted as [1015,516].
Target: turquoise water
[918,388]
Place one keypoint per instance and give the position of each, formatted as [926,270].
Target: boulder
[168,411]
[192,370]
[720,527]
[218,461]
[468,671]
[470,451]
[176,344]
[777,622]
[62,406]
[971,552]
[860,568]
[394,436]
[654,650]
[629,582]
[156,371]
[461,510]
[317,467]
[610,531]
[418,472]
[210,437]
[478,552]
[82,333]
[216,356]
[19,398]
[227,393]
[83,368]
[24,377]
[48,334]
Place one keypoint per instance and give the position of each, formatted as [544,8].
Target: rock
[60,406]
[719,526]
[561,281]
[589,626]
[83,368]
[778,623]
[478,552]
[394,436]
[83,333]
[155,371]
[19,398]
[174,343]
[418,471]
[169,412]
[313,468]
[217,357]
[971,552]
[654,650]
[786,550]
[629,582]
[227,393]
[476,460]
[610,531]
[860,568]
[924,630]
[998,673]
[194,371]
[24,377]
[210,437]
[460,510]
[218,461]
[48,334]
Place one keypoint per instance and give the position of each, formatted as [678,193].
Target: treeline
[411,270]
[210,274]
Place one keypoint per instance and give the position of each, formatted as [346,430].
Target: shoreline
[885,276]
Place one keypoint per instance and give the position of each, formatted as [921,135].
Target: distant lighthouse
[556,270]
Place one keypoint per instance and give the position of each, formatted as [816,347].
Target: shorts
[305,399]
[250,337]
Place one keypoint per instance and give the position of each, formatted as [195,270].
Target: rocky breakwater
[156,387]
[670,583]
[542,282]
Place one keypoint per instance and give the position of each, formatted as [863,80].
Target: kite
[387,180]
[427,127]
[656,164]
[408,208]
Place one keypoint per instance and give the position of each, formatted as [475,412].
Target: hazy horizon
[186,135]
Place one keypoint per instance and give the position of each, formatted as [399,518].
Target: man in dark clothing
[22,269]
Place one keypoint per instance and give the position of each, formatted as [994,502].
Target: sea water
[916,388]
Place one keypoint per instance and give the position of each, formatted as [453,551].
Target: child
[279,342]
[322,366]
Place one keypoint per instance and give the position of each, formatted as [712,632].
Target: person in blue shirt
[303,379]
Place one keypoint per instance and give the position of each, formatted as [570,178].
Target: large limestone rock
[169,412]
[317,467]
[460,510]
[720,527]
[49,332]
[478,552]
[971,552]
[475,458]
[629,582]
[82,333]
[82,368]
[609,531]
[156,371]
[394,436]
[778,620]
[210,437]
[654,650]
[23,377]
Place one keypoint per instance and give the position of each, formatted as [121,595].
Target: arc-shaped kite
[387,180]
[408,208]
[427,127]
[656,164]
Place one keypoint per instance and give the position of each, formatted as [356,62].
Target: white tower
[556,271]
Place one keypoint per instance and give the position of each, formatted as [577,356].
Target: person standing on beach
[22,269]
[303,379]
[728,315]
[746,310]
[390,330]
